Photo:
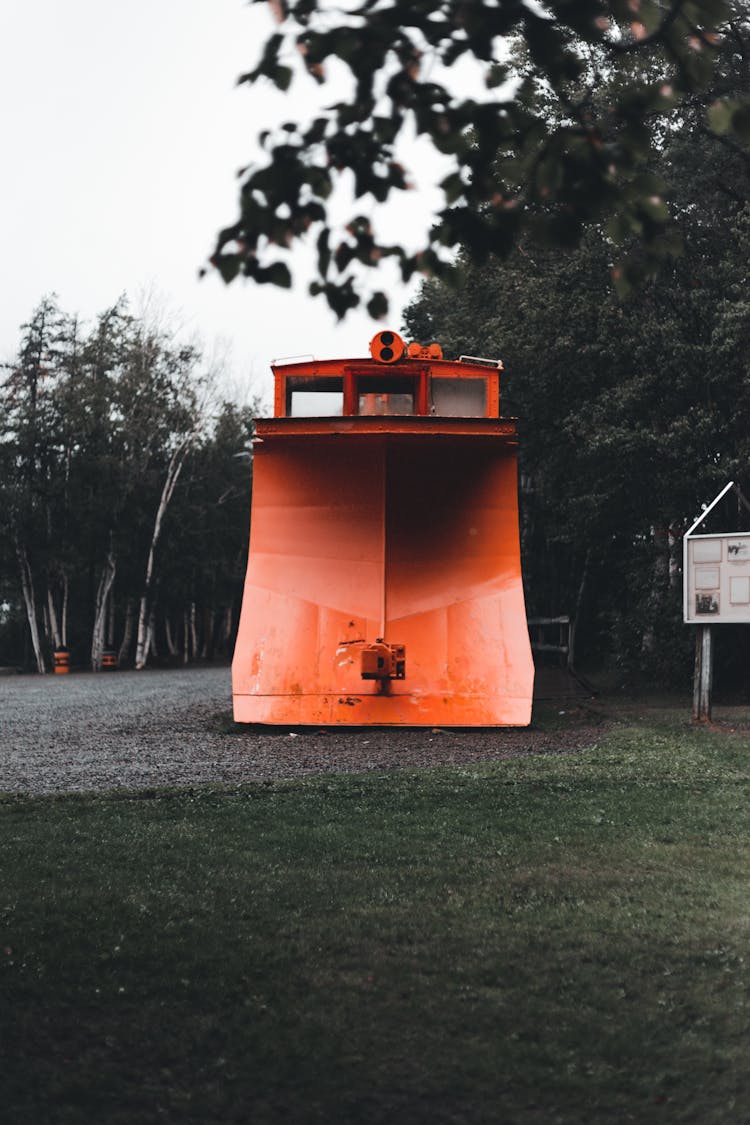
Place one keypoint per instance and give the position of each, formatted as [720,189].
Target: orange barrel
[61,661]
[109,660]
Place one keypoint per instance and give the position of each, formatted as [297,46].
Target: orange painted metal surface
[382,530]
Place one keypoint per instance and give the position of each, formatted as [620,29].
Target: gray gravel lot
[139,730]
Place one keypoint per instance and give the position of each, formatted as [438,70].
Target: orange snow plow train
[384,578]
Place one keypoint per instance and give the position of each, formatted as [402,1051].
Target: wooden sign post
[704,673]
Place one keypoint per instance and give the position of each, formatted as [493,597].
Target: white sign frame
[715,574]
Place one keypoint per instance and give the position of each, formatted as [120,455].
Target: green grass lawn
[551,939]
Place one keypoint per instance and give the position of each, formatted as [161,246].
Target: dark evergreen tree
[33,467]
[124,499]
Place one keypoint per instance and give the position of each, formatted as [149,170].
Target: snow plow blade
[399,538]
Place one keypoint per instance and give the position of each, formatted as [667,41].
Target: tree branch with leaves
[550,165]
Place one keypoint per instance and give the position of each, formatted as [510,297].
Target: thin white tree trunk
[185,639]
[27,587]
[110,638]
[208,632]
[193,632]
[171,646]
[64,614]
[100,612]
[45,624]
[675,555]
[127,635]
[151,635]
[174,469]
[141,653]
[53,623]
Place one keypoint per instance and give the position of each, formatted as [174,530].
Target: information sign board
[717,579]
[716,572]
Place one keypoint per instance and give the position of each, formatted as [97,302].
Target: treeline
[124,495]
[632,411]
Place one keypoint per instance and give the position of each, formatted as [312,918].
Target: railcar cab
[399,380]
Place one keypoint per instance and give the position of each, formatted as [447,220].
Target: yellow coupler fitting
[383,662]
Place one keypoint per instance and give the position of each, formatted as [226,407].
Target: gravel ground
[139,730]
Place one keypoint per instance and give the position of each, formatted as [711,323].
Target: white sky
[122,129]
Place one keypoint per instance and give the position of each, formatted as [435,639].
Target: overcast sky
[122,132]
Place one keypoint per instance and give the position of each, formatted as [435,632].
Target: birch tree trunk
[53,622]
[174,469]
[45,625]
[193,632]
[110,630]
[171,646]
[208,634]
[64,614]
[100,613]
[675,555]
[127,634]
[27,587]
